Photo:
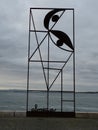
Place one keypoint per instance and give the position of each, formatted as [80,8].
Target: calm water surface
[16,101]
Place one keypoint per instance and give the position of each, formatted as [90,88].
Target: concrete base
[87,115]
[50,114]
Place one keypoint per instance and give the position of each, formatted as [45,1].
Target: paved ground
[13,123]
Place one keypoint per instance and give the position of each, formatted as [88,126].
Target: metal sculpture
[61,41]
[63,37]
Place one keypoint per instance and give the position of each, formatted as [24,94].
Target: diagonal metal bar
[60,71]
[58,20]
[39,50]
[37,47]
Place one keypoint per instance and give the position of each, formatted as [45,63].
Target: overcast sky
[14,41]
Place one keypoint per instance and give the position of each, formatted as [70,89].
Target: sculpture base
[49,114]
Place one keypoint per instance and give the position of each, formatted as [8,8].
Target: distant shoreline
[20,90]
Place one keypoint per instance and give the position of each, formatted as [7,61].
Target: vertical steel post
[61,90]
[28,61]
[74,56]
[48,73]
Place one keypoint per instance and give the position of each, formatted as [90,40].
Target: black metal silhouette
[63,37]
[62,40]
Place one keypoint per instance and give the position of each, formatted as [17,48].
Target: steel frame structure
[48,32]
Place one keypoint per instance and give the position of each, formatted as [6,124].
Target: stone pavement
[39,123]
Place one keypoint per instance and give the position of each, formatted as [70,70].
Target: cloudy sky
[14,41]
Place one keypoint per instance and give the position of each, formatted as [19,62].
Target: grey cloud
[87,73]
[14,39]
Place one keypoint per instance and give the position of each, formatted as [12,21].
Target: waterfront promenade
[38,123]
[19,121]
